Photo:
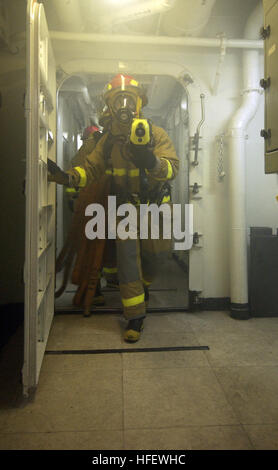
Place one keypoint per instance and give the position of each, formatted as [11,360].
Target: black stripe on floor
[101,310]
[131,350]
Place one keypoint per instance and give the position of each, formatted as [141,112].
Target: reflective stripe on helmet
[121,81]
[134,83]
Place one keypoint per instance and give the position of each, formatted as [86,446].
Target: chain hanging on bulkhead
[220,160]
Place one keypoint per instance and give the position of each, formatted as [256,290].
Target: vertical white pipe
[237,189]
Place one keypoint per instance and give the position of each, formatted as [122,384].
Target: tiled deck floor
[223,398]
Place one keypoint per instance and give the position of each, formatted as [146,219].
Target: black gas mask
[124,107]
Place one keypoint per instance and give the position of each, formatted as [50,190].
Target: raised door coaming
[39,272]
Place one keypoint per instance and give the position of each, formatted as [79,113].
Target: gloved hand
[142,156]
[56,174]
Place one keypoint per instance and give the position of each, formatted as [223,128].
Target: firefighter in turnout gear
[140,172]
[90,137]
[73,248]
[80,258]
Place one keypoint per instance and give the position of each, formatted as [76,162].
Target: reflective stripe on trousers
[130,278]
[138,261]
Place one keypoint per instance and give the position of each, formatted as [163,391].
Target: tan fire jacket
[126,177]
[86,148]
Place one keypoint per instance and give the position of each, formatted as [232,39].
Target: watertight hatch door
[39,272]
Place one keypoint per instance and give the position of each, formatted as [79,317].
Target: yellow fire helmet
[125,97]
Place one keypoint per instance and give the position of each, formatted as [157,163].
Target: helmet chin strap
[138,106]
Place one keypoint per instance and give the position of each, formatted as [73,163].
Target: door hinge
[265,83]
[196,238]
[195,188]
[265,32]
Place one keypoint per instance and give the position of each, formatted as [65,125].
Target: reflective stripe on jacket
[126,177]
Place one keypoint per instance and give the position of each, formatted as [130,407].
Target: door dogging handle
[266,134]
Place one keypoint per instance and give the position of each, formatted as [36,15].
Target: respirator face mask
[124,107]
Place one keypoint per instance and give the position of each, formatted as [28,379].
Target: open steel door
[270,83]
[39,272]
